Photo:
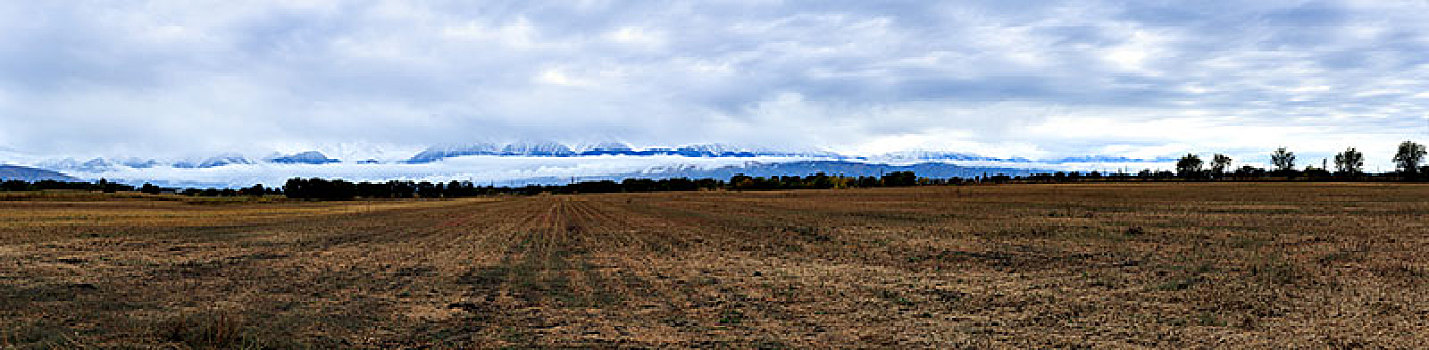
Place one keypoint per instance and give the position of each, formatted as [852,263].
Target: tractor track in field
[545,262]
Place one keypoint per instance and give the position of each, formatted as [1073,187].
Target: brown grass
[1103,265]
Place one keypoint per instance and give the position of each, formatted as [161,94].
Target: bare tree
[1283,160]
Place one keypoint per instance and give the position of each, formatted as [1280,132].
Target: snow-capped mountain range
[553,149]
[528,162]
[956,156]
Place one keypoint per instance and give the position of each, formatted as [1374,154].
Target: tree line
[102,185]
[338,189]
[1348,165]
[324,189]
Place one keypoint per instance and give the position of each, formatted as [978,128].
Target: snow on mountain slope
[537,149]
[497,169]
[544,161]
[15,172]
[309,157]
[217,161]
[1084,163]
[436,153]
[551,149]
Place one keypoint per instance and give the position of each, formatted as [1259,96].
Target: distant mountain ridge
[438,153]
[218,161]
[15,172]
[835,167]
[102,164]
[309,157]
[800,168]
[547,149]
[936,155]
[553,149]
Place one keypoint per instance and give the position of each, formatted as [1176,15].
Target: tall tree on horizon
[1189,165]
[1283,160]
[1349,162]
[1409,156]
[1219,164]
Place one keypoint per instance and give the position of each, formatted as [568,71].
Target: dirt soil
[1265,265]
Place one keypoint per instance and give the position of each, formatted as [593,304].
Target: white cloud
[637,36]
[556,76]
[175,79]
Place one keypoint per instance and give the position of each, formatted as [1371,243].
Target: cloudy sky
[1002,78]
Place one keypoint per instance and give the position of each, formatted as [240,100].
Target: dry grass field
[1021,266]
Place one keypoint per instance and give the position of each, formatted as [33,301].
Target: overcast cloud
[1001,78]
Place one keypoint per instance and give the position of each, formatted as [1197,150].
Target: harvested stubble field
[1104,265]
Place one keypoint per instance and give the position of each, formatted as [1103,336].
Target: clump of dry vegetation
[1091,265]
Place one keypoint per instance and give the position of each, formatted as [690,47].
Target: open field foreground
[1106,265]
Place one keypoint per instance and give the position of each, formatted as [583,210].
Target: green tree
[1189,165]
[1409,156]
[1349,162]
[1283,160]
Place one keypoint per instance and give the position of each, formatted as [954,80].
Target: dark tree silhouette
[256,191]
[1219,164]
[1349,162]
[1189,166]
[1408,157]
[1283,160]
[1249,172]
[16,185]
[900,178]
[316,188]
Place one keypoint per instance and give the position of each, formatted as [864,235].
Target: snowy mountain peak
[436,153]
[70,164]
[221,160]
[139,163]
[537,149]
[309,157]
[552,149]
[608,147]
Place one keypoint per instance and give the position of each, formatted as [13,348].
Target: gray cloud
[188,78]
